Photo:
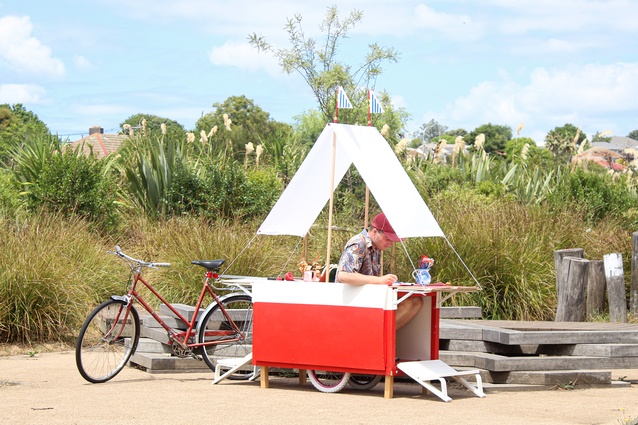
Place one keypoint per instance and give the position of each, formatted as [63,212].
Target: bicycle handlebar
[120,253]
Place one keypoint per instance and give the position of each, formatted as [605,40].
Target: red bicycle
[111,332]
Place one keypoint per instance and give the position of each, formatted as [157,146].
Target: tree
[317,63]
[563,142]
[430,131]
[523,150]
[16,126]
[600,136]
[633,134]
[152,125]
[496,137]
[248,123]
[458,132]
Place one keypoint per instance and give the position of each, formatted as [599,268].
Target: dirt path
[47,389]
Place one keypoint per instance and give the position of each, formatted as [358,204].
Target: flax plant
[149,174]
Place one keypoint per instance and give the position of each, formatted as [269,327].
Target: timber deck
[545,353]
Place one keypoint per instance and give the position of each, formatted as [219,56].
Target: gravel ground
[47,389]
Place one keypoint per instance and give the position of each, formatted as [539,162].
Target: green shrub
[10,201]
[598,194]
[74,184]
[430,178]
[262,190]
[189,193]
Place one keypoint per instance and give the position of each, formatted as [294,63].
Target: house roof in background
[102,144]
[617,143]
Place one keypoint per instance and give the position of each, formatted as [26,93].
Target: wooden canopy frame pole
[331,205]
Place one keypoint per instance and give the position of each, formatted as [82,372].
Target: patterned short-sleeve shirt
[360,256]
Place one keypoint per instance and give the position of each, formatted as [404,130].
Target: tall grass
[509,248]
[54,271]
[46,268]
[184,239]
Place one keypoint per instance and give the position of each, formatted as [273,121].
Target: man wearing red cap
[360,263]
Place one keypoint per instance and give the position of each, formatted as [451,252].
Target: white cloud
[567,16]
[244,56]
[25,53]
[82,63]
[587,96]
[22,93]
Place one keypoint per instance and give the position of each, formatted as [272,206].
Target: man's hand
[387,279]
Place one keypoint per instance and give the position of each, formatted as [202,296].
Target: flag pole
[369,110]
[367,204]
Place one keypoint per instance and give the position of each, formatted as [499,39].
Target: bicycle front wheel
[328,382]
[217,330]
[107,340]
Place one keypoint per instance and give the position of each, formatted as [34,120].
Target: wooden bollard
[571,293]
[633,289]
[561,254]
[616,295]
[596,285]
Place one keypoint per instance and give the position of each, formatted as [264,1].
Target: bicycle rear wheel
[364,382]
[107,340]
[328,382]
[240,309]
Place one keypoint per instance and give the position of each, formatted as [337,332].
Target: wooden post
[571,295]
[595,287]
[559,255]
[616,295]
[388,389]
[633,289]
[263,377]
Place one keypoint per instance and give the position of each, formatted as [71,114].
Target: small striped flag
[342,99]
[375,105]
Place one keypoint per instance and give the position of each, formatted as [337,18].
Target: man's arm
[362,279]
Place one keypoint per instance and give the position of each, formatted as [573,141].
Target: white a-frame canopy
[308,192]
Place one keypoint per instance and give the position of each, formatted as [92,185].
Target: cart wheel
[364,382]
[328,382]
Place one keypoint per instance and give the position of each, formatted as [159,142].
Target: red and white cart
[345,328]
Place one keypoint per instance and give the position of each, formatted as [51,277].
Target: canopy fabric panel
[309,190]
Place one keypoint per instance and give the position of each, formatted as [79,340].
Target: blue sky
[542,63]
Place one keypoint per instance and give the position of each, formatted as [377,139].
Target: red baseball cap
[381,222]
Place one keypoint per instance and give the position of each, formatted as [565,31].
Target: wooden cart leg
[302,376]
[263,378]
[388,392]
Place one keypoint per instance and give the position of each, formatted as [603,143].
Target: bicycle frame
[183,338]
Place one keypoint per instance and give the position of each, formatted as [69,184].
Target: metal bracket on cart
[231,366]
[435,370]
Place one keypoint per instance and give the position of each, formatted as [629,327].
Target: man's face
[380,240]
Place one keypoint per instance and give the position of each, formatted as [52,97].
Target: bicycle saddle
[212,265]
